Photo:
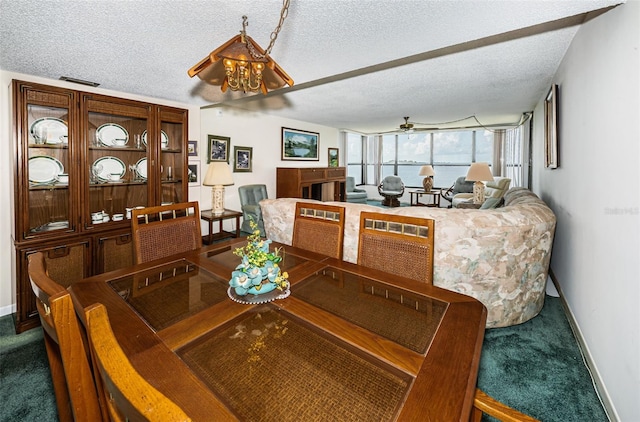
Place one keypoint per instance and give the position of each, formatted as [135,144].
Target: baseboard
[601,390]
[7,310]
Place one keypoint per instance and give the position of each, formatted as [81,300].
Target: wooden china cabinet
[83,161]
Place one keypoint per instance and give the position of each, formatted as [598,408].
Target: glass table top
[261,365]
[408,319]
[165,295]
[227,259]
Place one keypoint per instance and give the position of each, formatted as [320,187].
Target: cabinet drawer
[311,174]
[336,173]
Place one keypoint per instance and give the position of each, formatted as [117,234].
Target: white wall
[7,155]
[263,133]
[595,196]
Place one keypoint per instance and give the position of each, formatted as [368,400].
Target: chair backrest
[73,382]
[319,228]
[397,244]
[462,185]
[483,403]
[252,194]
[350,184]
[126,394]
[165,230]
[497,187]
[392,183]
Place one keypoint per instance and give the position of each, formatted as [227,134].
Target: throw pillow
[490,203]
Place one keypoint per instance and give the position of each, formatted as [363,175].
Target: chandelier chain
[274,35]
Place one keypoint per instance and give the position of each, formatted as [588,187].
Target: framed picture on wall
[218,148]
[193,173]
[334,157]
[300,145]
[192,148]
[243,157]
[551,128]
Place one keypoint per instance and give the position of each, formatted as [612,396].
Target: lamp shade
[426,171]
[479,172]
[218,173]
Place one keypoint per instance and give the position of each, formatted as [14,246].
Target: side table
[469,205]
[207,215]
[435,197]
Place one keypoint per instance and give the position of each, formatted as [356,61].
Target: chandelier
[241,64]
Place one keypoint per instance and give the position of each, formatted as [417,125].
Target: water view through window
[450,152]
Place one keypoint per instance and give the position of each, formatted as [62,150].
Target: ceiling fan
[406,127]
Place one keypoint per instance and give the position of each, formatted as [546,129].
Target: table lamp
[478,173]
[427,182]
[218,175]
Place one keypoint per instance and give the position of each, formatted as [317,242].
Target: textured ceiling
[357,64]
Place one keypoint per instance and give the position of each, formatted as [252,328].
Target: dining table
[347,343]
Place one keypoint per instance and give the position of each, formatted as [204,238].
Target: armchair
[355,194]
[391,188]
[250,197]
[461,185]
[493,193]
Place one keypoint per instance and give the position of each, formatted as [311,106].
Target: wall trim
[596,378]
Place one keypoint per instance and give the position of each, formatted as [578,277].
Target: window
[354,156]
[450,152]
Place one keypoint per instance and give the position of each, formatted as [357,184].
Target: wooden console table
[321,183]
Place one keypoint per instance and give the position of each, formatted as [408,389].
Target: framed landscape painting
[218,148]
[334,157]
[299,145]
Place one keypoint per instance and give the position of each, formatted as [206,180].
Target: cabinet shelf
[46,186]
[48,146]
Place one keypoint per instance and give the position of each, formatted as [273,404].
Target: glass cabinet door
[47,178]
[117,137]
[173,168]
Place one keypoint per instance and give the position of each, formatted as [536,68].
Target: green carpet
[535,367]
[26,392]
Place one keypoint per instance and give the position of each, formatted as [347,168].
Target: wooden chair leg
[63,401]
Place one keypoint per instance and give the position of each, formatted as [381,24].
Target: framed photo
[551,128]
[334,157]
[218,148]
[299,145]
[192,148]
[193,173]
[243,157]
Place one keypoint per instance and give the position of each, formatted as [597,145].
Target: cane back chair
[124,392]
[165,230]
[397,244]
[319,228]
[71,373]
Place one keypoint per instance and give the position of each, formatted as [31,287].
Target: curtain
[513,156]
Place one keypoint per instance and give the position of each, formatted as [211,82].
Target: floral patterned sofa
[499,256]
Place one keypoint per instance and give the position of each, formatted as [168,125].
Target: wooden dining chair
[165,230]
[485,404]
[397,244]
[319,228]
[124,392]
[71,373]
